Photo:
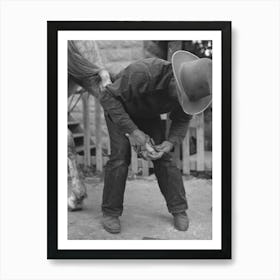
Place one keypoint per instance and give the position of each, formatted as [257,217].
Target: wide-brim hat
[193,77]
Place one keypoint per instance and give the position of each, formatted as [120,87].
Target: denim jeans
[168,175]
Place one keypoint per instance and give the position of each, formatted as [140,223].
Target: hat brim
[189,107]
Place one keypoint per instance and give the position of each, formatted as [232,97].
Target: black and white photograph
[135,164]
[142,118]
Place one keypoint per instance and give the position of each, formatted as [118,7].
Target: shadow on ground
[145,214]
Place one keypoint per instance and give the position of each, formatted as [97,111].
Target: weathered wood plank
[134,162]
[186,154]
[200,143]
[193,122]
[98,137]
[145,168]
[86,124]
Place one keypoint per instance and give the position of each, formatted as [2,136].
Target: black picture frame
[52,78]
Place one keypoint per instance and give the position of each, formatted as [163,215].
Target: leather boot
[181,221]
[111,224]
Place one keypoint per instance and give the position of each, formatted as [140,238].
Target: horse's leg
[78,188]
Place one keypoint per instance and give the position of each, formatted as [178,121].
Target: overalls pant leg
[168,175]
[116,170]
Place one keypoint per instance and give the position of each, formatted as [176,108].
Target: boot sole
[181,229]
[114,231]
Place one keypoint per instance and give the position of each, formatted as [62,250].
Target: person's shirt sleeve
[80,69]
[113,106]
[179,125]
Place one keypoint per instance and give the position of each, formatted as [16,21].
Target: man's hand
[165,147]
[138,140]
[105,79]
[143,145]
[151,155]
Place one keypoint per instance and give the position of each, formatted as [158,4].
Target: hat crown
[193,77]
[196,78]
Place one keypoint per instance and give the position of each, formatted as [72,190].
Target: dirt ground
[145,215]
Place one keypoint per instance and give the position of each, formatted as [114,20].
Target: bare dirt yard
[145,214]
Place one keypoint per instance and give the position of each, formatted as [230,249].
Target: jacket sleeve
[83,71]
[179,125]
[114,108]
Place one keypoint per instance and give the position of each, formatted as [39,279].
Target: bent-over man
[132,105]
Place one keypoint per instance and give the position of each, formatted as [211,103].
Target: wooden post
[145,168]
[186,154]
[200,143]
[134,162]
[87,158]
[98,137]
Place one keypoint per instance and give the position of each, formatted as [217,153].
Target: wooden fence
[201,160]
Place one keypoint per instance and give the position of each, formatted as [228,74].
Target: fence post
[134,162]
[145,167]
[98,137]
[200,142]
[85,99]
[186,153]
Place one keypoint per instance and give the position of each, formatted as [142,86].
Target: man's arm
[88,75]
[177,132]
[179,125]
[83,71]
[114,108]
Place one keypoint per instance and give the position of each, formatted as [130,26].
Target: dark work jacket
[142,91]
